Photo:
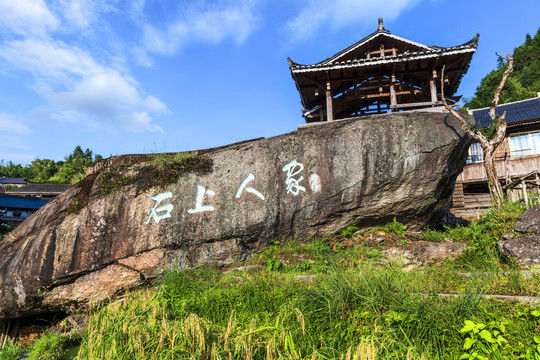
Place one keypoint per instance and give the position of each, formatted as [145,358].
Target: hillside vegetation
[523,83]
[330,298]
[69,171]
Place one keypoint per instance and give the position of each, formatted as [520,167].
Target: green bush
[51,346]
[11,352]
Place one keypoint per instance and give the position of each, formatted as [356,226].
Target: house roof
[517,112]
[419,51]
[44,189]
[6,180]
[19,202]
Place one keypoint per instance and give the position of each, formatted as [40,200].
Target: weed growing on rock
[111,180]
[395,227]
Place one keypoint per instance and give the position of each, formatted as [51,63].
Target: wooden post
[393,98]
[356,97]
[524,193]
[329,100]
[433,86]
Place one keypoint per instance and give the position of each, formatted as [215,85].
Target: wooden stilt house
[378,74]
[517,160]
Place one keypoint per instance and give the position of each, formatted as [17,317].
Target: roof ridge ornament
[381,27]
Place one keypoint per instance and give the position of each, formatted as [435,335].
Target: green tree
[70,170]
[523,83]
[41,170]
[9,169]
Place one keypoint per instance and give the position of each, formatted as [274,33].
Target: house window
[525,144]
[476,154]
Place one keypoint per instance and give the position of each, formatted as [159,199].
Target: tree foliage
[523,83]
[71,170]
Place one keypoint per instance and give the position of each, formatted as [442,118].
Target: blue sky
[148,76]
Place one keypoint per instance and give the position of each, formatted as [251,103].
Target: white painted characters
[249,189]
[203,201]
[199,207]
[293,184]
[166,208]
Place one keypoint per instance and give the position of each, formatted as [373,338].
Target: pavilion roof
[381,54]
[417,51]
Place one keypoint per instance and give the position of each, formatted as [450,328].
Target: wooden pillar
[356,97]
[524,193]
[433,86]
[329,100]
[393,97]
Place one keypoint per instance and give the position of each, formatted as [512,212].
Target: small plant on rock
[395,227]
[349,231]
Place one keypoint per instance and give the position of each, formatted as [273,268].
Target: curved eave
[295,68]
[433,51]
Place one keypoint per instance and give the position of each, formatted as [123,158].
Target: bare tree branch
[464,124]
[489,145]
[506,74]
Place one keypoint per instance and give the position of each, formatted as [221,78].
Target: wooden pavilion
[380,73]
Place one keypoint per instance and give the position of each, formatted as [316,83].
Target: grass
[271,315]
[330,299]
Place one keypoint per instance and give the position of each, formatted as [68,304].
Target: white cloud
[27,17]
[78,58]
[17,158]
[78,87]
[82,14]
[49,58]
[10,124]
[13,142]
[138,120]
[111,96]
[210,23]
[136,8]
[339,13]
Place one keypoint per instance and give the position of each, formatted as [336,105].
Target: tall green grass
[269,315]
[352,305]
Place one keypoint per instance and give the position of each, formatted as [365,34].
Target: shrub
[51,346]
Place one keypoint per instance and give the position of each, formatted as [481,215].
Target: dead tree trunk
[488,144]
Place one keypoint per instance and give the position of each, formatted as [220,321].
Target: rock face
[421,253]
[525,246]
[133,216]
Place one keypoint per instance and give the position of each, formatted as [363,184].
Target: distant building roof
[517,112]
[19,202]
[42,189]
[5,180]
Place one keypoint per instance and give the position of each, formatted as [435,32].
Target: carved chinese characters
[293,184]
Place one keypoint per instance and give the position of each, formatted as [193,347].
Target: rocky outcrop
[133,216]
[421,253]
[524,246]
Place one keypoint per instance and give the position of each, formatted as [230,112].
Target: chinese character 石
[199,207]
[166,208]
[293,184]
[249,189]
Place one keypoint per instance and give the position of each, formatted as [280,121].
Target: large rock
[524,246]
[421,253]
[133,216]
